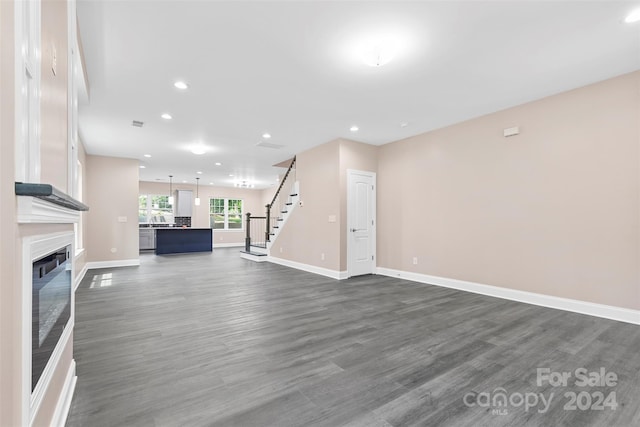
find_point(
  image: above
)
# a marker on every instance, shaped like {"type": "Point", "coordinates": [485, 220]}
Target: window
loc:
{"type": "Point", "coordinates": [143, 211]}
{"type": "Point", "coordinates": [216, 212]}
{"type": "Point", "coordinates": [225, 214]}
{"type": "Point", "coordinates": [154, 210]}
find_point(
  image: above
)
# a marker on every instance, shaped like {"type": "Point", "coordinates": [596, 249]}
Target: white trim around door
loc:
{"type": "Point", "coordinates": [361, 222]}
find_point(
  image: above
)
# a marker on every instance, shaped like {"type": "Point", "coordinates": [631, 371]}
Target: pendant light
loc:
{"type": "Point", "coordinates": [197, 192]}
{"type": "Point", "coordinates": [171, 190]}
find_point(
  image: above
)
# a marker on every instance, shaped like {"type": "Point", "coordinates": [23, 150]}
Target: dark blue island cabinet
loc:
{"type": "Point", "coordinates": [179, 240]}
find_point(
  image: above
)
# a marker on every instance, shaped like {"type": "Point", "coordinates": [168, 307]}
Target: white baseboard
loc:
{"type": "Point", "coordinates": [592, 309]}
{"type": "Point", "coordinates": [227, 245]}
{"type": "Point", "coordinates": [334, 274]}
{"type": "Point", "coordinates": [80, 277]}
{"type": "Point", "coordinates": [115, 263]}
{"type": "Point", "coordinates": [64, 401]}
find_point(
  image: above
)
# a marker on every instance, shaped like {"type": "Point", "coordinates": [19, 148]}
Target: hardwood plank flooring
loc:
{"type": "Point", "coordinates": [215, 340]}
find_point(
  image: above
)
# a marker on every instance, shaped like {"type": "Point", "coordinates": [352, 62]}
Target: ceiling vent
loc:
{"type": "Point", "coordinates": [269, 145]}
{"type": "Point", "coordinates": [137, 123]}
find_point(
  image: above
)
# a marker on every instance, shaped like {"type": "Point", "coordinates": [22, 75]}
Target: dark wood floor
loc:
{"type": "Point", "coordinates": [215, 340]}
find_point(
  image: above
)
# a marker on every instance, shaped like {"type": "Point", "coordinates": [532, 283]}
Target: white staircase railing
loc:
{"type": "Point", "coordinates": [262, 231]}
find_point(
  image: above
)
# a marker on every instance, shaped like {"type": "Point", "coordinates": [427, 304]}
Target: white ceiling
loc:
{"type": "Point", "coordinates": [289, 68]}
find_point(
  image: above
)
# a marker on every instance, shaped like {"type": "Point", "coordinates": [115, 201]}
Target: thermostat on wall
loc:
{"type": "Point", "coordinates": [511, 131]}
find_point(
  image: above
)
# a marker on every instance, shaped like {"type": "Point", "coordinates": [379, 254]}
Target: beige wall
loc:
{"type": "Point", "coordinates": [266, 195]}
{"type": "Point", "coordinates": [554, 210]}
{"type": "Point", "coordinates": [200, 218]}
{"type": "Point", "coordinates": [112, 192]}
{"type": "Point", "coordinates": [308, 233]}
{"type": "Point", "coordinates": [10, 296]}
{"type": "Point", "coordinates": [53, 147]}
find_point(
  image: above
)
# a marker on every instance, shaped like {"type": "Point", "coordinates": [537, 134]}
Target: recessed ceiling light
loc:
{"type": "Point", "coordinates": [184, 182]}
{"type": "Point", "coordinates": [230, 174]}
{"type": "Point", "coordinates": [147, 155]}
{"type": "Point", "coordinates": [218, 164]}
{"type": "Point", "coordinates": [199, 172]}
{"type": "Point", "coordinates": [354, 128]}
{"type": "Point", "coordinates": [143, 167]}
{"type": "Point", "coordinates": [198, 149]}
{"type": "Point", "coordinates": [211, 183]}
{"type": "Point", "coordinates": [634, 16]}
{"type": "Point", "coordinates": [404, 124]}
{"type": "Point", "coordinates": [378, 53]}
{"type": "Point", "coordinates": [166, 116]}
{"type": "Point", "coordinates": [266, 135]}
{"type": "Point", "coordinates": [181, 85]}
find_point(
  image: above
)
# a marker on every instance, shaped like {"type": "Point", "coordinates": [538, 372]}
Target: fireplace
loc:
{"type": "Point", "coordinates": [51, 284]}
{"type": "Point", "coordinates": [48, 298]}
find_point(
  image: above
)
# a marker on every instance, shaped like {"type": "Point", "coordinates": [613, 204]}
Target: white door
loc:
{"type": "Point", "coordinates": [361, 226]}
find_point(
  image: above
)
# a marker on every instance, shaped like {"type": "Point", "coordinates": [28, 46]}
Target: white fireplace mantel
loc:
{"type": "Point", "coordinates": [35, 210]}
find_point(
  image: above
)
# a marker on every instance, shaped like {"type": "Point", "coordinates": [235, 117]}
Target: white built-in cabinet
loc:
{"type": "Point", "coordinates": [184, 203]}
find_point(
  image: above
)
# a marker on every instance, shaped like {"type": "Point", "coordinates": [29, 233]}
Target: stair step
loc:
{"type": "Point", "coordinates": [272, 234]}
{"type": "Point", "coordinates": [280, 219]}
{"type": "Point", "coordinates": [289, 204]}
{"type": "Point", "coordinates": [275, 226]}
{"type": "Point", "coordinates": [293, 195]}
{"type": "Point", "coordinates": [254, 253]}
{"type": "Point", "coordinates": [284, 211]}
{"type": "Point", "coordinates": [254, 256]}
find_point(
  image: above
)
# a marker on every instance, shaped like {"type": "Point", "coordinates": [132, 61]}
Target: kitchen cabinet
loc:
{"type": "Point", "coordinates": [184, 202]}
{"type": "Point", "coordinates": [147, 239]}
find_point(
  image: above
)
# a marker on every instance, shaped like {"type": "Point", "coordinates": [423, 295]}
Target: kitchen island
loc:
{"type": "Point", "coordinates": [180, 240]}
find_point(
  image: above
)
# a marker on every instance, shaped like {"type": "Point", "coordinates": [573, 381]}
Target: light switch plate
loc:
{"type": "Point", "coordinates": [122, 219]}
{"type": "Point", "coordinates": [332, 218]}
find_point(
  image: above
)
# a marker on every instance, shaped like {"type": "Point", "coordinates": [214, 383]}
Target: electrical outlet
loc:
{"type": "Point", "coordinates": [322, 256]}
{"type": "Point", "coordinates": [280, 249]}
{"type": "Point", "coordinates": [415, 260]}
{"type": "Point", "coordinates": [114, 250]}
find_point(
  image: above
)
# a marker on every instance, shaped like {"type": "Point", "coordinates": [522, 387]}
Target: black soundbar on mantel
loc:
{"type": "Point", "coordinates": [49, 193]}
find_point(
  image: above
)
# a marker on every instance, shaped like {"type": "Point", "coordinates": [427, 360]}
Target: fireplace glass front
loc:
{"type": "Point", "coordinates": [51, 307]}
